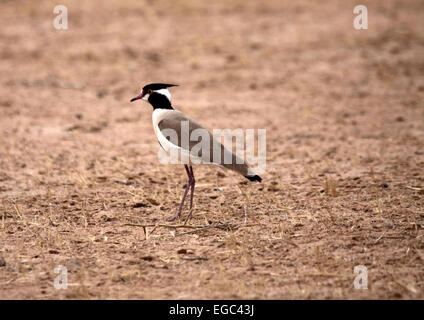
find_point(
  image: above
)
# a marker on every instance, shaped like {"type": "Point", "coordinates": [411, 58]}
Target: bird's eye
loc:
{"type": "Point", "coordinates": [150, 91]}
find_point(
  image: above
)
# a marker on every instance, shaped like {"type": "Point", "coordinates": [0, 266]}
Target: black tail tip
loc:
{"type": "Point", "coordinates": [254, 178]}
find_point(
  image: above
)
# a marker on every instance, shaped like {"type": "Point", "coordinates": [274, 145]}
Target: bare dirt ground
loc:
{"type": "Point", "coordinates": [344, 114]}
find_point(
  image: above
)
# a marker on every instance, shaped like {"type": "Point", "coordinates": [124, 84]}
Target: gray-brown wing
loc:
{"type": "Point", "coordinates": [191, 135]}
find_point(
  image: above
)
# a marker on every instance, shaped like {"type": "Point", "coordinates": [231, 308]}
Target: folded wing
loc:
{"type": "Point", "coordinates": [176, 130]}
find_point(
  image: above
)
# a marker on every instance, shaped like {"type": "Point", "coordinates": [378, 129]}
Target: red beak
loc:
{"type": "Point", "coordinates": [140, 96]}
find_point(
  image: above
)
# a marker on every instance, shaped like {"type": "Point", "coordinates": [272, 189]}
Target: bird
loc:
{"type": "Point", "coordinates": [166, 118]}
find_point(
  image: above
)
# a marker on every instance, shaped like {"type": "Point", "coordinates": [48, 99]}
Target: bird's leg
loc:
{"type": "Point", "coordinates": [192, 183]}
{"type": "Point", "coordinates": [184, 196]}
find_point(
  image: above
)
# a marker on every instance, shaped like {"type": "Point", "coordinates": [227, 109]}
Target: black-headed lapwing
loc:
{"type": "Point", "coordinates": [166, 118]}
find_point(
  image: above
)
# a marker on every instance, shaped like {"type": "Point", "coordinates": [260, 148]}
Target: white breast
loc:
{"type": "Point", "coordinates": [184, 155]}
{"type": "Point", "coordinates": [179, 153]}
{"type": "Point", "coordinates": [157, 116]}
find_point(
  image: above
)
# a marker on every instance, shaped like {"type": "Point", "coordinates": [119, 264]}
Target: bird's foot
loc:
{"type": "Point", "coordinates": [188, 216]}
{"type": "Point", "coordinates": [174, 218]}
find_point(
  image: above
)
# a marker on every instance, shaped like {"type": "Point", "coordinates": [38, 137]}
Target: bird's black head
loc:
{"type": "Point", "coordinates": [157, 94]}
{"type": "Point", "coordinates": [158, 86]}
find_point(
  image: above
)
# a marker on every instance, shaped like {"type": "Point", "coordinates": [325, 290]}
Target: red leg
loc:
{"type": "Point", "coordinates": [184, 196]}
{"type": "Point", "coordinates": [193, 182]}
